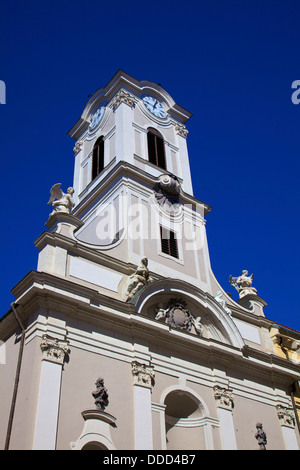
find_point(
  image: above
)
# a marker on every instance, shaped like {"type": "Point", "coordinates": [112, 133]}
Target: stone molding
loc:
{"type": "Point", "coordinates": [54, 350]}
{"type": "Point", "coordinates": [143, 375]}
{"type": "Point", "coordinates": [223, 397]}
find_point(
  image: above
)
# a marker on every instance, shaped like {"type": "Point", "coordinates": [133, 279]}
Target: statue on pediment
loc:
{"type": "Point", "coordinates": [243, 284]}
{"type": "Point", "coordinates": [60, 201]}
{"type": "Point", "coordinates": [138, 279]}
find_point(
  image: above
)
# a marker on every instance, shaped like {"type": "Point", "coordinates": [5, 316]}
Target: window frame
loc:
{"type": "Point", "coordinates": [98, 157]}
{"type": "Point", "coordinates": [169, 246]}
{"type": "Point", "coordinates": [156, 148]}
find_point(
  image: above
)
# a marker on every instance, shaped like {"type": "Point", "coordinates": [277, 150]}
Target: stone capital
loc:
{"type": "Point", "coordinates": [181, 130]}
{"type": "Point", "coordinates": [143, 375]}
{"type": "Point", "coordinates": [123, 97]}
{"type": "Point", "coordinates": [286, 416]}
{"type": "Point", "coordinates": [54, 350]}
{"type": "Point", "coordinates": [223, 397]}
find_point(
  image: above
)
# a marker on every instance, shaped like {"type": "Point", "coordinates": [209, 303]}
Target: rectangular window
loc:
{"type": "Point", "coordinates": [168, 242]}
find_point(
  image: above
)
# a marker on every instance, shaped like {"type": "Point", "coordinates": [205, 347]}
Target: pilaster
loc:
{"type": "Point", "coordinates": [54, 353]}
{"type": "Point", "coordinates": [224, 401]}
{"type": "Point", "coordinates": [287, 421]}
{"type": "Point", "coordinates": [143, 376]}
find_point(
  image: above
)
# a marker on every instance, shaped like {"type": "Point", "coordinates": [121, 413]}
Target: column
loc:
{"type": "Point", "coordinates": [54, 352]}
{"type": "Point", "coordinates": [287, 421]}
{"type": "Point", "coordinates": [224, 399]}
{"type": "Point", "coordinates": [143, 376]}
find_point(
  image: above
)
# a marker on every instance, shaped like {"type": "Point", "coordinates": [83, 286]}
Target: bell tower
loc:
{"type": "Point", "coordinates": [132, 180]}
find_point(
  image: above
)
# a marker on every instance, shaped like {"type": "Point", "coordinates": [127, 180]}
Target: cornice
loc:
{"type": "Point", "coordinates": [126, 170]}
{"type": "Point", "coordinates": [42, 289]}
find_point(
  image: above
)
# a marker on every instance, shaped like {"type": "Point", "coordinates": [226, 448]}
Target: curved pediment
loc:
{"type": "Point", "coordinates": [183, 306]}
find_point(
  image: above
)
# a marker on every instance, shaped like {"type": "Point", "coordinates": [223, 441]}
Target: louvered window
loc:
{"type": "Point", "coordinates": [168, 242]}
{"type": "Point", "coordinates": [156, 148]}
{"type": "Point", "coordinates": [98, 157]}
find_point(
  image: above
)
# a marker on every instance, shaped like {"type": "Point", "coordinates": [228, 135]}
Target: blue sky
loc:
{"type": "Point", "coordinates": [231, 63]}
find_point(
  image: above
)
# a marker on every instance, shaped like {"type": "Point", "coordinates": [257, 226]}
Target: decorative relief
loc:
{"type": "Point", "coordinates": [78, 146]}
{"type": "Point", "coordinates": [286, 416]}
{"type": "Point", "coordinates": [181, 130]}
{"type": "Point", "coordinates": [222, 302]}
{"type": "Point", "coordinates": [167, 192]}
{"type": "Point", "coordinates": [143, 375]}
{"type": "Point", "coordinates": [123, 97]}
{"type": "Point", "coordinates": [261, 437]}
{"type": "Point", "coordinates": [138, 279]}
{"type": "Point", "coordinates": [223, 397]}
{"type": "Point", "coordinates": [100, 394]}
{"type": "Point", "coordinates": [178, 316]}
{"type": "Point", "coordinates": [243, 284]}
{"type": "Point", "coordinates": [54, 350]}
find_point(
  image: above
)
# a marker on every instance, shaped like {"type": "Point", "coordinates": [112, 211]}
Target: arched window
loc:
{"type": "Point", "coordinates": [98, 157]}
{"type": "Point", "coordinates": [156, 148]}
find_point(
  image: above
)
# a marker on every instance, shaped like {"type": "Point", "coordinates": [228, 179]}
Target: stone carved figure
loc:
{"type": "Point", "coordinates": [261, 437]}
{"type": "Point", "coordinates": [138, 279]}
{"type": "Point", "coordinates": [243, 284]}
{"type": "Point", "coordinates": [60, 201]}
{"type": "Point", "coordinates": [100, 395]}
{"type": "Point", "coordinates": [167, 191]}
{"type": "Point", "coordinates": [222, 302]}
{"type": "Point", "coordinates": [177, 316]}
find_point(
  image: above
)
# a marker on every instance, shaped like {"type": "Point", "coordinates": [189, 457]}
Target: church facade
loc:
{"type": "Point", "coordinates": [122, 338]}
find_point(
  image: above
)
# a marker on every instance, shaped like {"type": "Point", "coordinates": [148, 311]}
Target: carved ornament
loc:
{"type": "Point", "coordinates": [78, 146]}
{"type": "Point", "coordinates": [178, 316]}
{"type": "Point", "coordinates": [167, 192]}
{"type": "Point", "coordinates": [54, 350]}
{"type": "Point", "coordinates": [286, 416]}
{"type": "Point", "coordinates": [181, 130]}
{"type": "Point", "coordinates": [123, 97]}
{"type": "Point", "coordinates": [143, 375]}
{"type": "Point", "coordinates": [223, 397]}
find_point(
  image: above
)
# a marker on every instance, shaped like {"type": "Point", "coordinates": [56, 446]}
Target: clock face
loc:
{"type": "Point", "coordinates": [154, 106]}
{"type": "Point", "coordinates": [97, 117]}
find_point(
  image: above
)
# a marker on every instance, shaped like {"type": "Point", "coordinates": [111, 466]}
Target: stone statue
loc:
{"type": "Point", "coordinates": [100, 395]}
{"type": "Point", "coordinates": [261, 437]}
{"type": "Point", "coordinates": [222, 302]}
{"type": "Point", "coordinates": [243, 284]}
{"type": "Point", "coordinates": [138, 279]}
{"type": "Point", "coordinates": [60, 201]}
